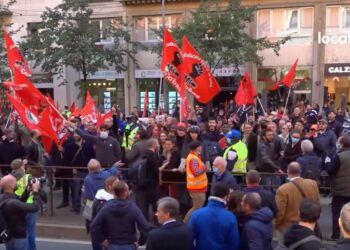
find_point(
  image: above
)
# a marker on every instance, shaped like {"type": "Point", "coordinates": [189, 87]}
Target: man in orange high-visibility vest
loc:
{"type": "Point", "coordinates": [196, 178]}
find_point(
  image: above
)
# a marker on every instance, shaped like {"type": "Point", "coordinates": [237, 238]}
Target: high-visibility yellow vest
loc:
{"type": "Point", "coordinates": [195, 182]}
{"type": "Point", "coordinates": [129, 140]}
{"type": "Point", "coordinates": [22, 185]}
{"type": "Point", "coordinates": [242, 154]}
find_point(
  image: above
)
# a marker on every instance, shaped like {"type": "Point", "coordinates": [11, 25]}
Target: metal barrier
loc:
{"type": "Point", "coordinates": [167, 176]}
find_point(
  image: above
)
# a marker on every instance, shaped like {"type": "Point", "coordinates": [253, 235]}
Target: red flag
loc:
{"type": "Point", "coordinates": [171, 63]}
{"type": "Point", "coordinates": [185, 108]}
{"type": "Point", "coordinates": [197, 76]}
{"type": "Point", "coordinates": [28, 92]}
{"type": "Point", "coordinates": [89, 112]}
{"type": "Point", "coordinates": [72, 108]}
{"type": "Point", "coordinates": [104, 117]}
{"type": "Point", "coordinates": [57, 123]}
{"type": "Point", "coordinates": [46, 124]}
{"type": "Point", "coordinates": [49, 99]}
{"type": "Point", "coordinates": [77, 112]}
{"type": "Point", "coordinates": [246, 91]}
{"type": "Point", "coordinates": [145, 104]}
{"type": "Point", "coordinates": [29, 119]}
{"type": "Point", "coordinates": [15, 58]}
{"type": "Point", "coordinates": [288, 79]}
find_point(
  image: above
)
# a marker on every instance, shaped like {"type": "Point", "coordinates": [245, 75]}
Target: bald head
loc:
{"type": "Point", "coordinates": [8, 183]}
{"type": "Point", "coordinates": [344, 220]}
{"type": "Point", "coordinates": [294, 169]}
{"type": "Point", "coordinates": [251, 202]}
{"type": "Point", "coordinates": [220, 163]}
{"type": "Point", "coordinates": [94, 165]}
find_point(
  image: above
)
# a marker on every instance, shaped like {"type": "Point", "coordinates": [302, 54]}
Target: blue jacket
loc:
{"type": "Point", "coordinates": [257, 231]}
{"type": "Point", "coordinates": [325, 144]}
{"type": "Point", "coordinates": [267, 197]}
{"type": "Point", "coordinates": [117, 222]}
{"type": "Point", "coordinates": [96, 180]}
{"type": "Point", "coordinates": [215, 228]}
{"type": "Point", "coordinates": [306, 159]}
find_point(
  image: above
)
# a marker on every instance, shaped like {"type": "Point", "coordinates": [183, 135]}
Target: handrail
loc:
{"type": "Point", "coordinates": [167, 176]}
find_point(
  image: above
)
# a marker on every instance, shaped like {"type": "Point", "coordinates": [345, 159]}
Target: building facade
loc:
{"type": "Point", "coordinates": [320, 40]}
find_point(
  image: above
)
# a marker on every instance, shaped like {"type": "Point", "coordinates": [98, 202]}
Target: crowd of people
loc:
{"type": "Point", "coordinates": [247, 178]}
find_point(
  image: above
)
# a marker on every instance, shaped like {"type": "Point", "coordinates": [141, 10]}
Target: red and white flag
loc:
{"type": "Point", "coordinates": [145, 104]}
{"type": "Point", "coordinates": [196, 75]}
{"type": "Point", "coordinates": [89, 112]}
{"type": "Point", "coordinates": [15, 58]}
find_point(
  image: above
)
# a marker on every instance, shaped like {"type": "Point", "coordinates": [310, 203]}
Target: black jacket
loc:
{"type": "Point", "coordinates": [296, 233]}
{"type": "Point", "coordinates": [291, 154]}
{"type": "Point", "coordinates": [268, 157]}
{"type": "Point", "coordinates": [325, 144]}
{"type": "Point", "coordinates": [343, 244]}
{"type": "Point", "coordinates": [75, 158]}
{"type": "Point", "coordinates": [336, 127]}
{"type": "Point", "coordinates": [32, 153]}
{"type": "Point", "coordinates": [226, 178]}
{"type": "Point", "coordinates": [15, 211]}
{"type": "Point", "coordinates": [172, 236]}
{"type": "Point", "coordinates": [267, 197]}
{"type": "Point", "coordinates": [152, 173]}
{"type": "Point", "coordinates": [10, 151]}
{"type": "Point", "coordinates": [252, 145]}
{"type": "Point", "coordinates": [117, 222]}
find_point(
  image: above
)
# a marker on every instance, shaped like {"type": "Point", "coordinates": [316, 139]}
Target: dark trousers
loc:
{"type": "Point", "coordinates": [66, 186]}
{"type": "Point", "coordinates": [146, 198]}
{"type": "Point", "coordinates": [337, 204]}
{"type": "Point", "coordinates": [77, 185]}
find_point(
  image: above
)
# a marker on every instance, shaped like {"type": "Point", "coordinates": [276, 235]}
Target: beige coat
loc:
{"type": "Point", "coordinates": [288, 199]}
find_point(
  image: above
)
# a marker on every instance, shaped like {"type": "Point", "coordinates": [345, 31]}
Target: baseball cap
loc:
{"type": "Point", "coordinates": [233, 134]}
{"type": "Point", "coordinates": [16, 164]}
{"type": "Point", "coordinates": [323, 120]}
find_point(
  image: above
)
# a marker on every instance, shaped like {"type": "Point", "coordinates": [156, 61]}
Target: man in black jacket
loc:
{"type": "Point", "coordinates": [10, 150]}
{"type": "Point", "coordinates": [115, 224]}
{"type": "Point", "coordinates": [253, 185]}
{"type": "Point", "coordinates": [251, 140]}
{"type": "Point", "coordinates": [334, 125]}
{"type": "Point", "coordinates": [173, 235]}
{"type": "Point", "coordinates": [15, 211]}
{"type": "Point", "coordinates": [302, 236]}
{"type": "Point", "coordinates": [35, 151]}
{"type": "Point", "coordinates": [148, 193]}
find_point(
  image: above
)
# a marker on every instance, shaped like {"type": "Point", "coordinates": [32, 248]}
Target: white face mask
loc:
{"type": "Point", "coordinates": [103, 134]}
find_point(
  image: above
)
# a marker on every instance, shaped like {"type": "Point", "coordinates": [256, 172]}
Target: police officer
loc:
{"type": "Point", "coordinates": [130, 130]}
{"type": "Point", "coordinates": [236, 153]}
{"type": "Point", "coordinates": [23, 183]}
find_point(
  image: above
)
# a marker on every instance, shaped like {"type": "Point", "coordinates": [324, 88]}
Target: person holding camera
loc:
{"type": "Point", "coordinates": [24, 184]}
{"type": "Point", "coordinates": [15, 210]}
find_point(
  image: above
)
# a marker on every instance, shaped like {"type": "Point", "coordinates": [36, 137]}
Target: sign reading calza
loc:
{"type": "Point", "coordinates": [341, 69]}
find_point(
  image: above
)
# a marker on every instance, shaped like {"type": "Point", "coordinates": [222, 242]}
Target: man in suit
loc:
{"type": "Point", "coordinates": [290, 195]}
{"type": "Point", "coordinates": [173, 235]}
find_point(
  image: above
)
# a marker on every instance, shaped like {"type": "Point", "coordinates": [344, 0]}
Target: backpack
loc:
{"type": "Point", "coordinates": [138, 172]}
{"type": "Point", "coordinates": [5, 234]}
{"type": "Point", "coordinates": [311, 171]}
{"type": "Point", "coordinates": [298, 243]}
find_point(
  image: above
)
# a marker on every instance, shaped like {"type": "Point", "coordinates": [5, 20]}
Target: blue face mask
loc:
{"type": "Point", "coordinates": [216, 170]}
{"type": "Point", "coordinates": [228, 140]}
{"type": "Point", "coordinates": [295, 140]}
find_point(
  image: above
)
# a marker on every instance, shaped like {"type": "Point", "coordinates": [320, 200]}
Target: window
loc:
{"type": "Point", "coordinates": [145, 27]}
{"type": "Point", "coordinates": [346, 19]}
{"type": "Point", "coordinates": [282, 22]}
{"type": "Point", "coordinates": [33, 28]}
{"type": "Point", "coordinates": [264, 23]}
{"type": "Point", "coordinates": [103, 24]}
{"type": "Point", "coordinates": [337, 19]}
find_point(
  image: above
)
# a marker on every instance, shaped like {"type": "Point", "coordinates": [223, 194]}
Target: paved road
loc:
{"type": "Point", "coordinates": [53, 244]}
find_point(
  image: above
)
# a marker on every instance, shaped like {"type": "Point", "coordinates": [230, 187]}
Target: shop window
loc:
{"type": "Point", "coordinates": [152, 86]}
{"type": "Point", "coordinates": [145, 27]}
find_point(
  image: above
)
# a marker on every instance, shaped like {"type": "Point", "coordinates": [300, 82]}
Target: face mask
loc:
{"type": "Point", "coordinates": [104, 134]}
{"type": "Point", "coordinates": [216, 171]}
{"type": "Point", "coordinates": [295, 140]}
{"type": "Point", "coordinates": [228, 140]}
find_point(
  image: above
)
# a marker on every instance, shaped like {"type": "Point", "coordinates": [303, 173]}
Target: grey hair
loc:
{"type": "Point", "coordinates": [307, 146]}
{"type": "Point", "coordinates": [169, 205]}
{"type": "Point", "coordinates": [345, 217]}
{"type": "Point", "coordinates": [152, 142]}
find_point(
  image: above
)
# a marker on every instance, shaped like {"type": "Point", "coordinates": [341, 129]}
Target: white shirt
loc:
{"type": "Point", "coordinates": [167, 222]}
{"type": "Point", "coordinates": [292, 179]}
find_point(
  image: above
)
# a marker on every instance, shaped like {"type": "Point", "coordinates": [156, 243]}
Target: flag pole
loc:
{"type": "Point", "coordinates": [8, 119]}
{"type": "Point", "coordinates": [262, 107]}
{"type": "Point", "coordinates": [285, 107]}
{"type": "Point", "coordinates": [54, 108]}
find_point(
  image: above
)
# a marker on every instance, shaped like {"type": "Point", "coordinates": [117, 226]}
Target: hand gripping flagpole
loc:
{"type": "Point", "coordinates": [262, 107]}
{"type": "Point", "coordinates": [54, 108]}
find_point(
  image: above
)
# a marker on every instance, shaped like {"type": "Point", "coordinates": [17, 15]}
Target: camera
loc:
{"type": "Point", "coordinates": [32, 180]}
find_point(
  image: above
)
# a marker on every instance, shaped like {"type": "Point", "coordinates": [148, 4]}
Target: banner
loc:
{"type": "Point", "coordinates": [246, 91]}
{"type": "Point", "coordinates": [288, 79]}
{"type": "Point", "coordinates": [197, 76]}
{"type": "Point", "coordinates": [89, 113]}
